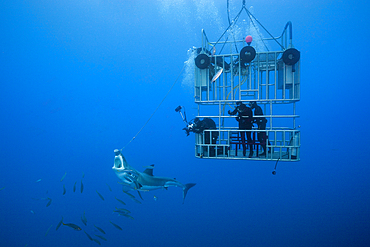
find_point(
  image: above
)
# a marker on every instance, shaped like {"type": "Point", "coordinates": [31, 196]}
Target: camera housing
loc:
{"type": "Point", "coordinates": [178, 108]}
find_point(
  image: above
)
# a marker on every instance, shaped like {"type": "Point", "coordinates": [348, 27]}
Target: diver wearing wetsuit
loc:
{"type": "Point", "coordinates": [210, 137]}
{"type": "Point", "coordinates": [245, 119]}
{"type": "Point", "coordinates": [261, 123]}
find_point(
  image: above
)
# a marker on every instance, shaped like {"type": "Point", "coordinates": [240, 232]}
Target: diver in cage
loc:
{"type": "Point", "coordinates": [261, 123]}
{"type": "Point", "coordinates": [200, 127]}
{"type": "Point", "coordinates": [245, 119]}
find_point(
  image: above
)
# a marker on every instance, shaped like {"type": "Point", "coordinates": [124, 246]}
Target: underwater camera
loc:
{"type": "Point", "coordinates": [189, 128]}
{"type": "Point", "coordinates": [178, 108]}
{"type": "Point", "coordinates": [189, 125]}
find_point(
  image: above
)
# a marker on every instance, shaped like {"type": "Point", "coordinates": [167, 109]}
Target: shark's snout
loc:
{"type": "Point", "coordinates": [117, 166]}
{"type": "Point", "coordinates": [143, 181]}
{"type": "Point", "coordinates": [118, 162]}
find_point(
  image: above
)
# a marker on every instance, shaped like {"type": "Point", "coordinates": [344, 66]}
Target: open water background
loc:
{"type": "Point", "coordinates": [80, 78]}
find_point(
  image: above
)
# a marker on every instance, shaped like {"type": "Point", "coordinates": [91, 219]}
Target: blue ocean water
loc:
{"type": "Point", "coordinates": [79, 79]}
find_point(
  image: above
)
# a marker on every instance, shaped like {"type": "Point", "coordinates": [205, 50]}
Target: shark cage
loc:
{"type": "Point", "coordinates": [242, 73]}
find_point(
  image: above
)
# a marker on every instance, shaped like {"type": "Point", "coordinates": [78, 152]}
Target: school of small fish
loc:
{"type": "Point", "coordinates": [92, 237]}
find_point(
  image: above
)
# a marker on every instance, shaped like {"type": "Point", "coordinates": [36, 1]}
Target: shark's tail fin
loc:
{"type": "Point", "coordinates": [187, 187]}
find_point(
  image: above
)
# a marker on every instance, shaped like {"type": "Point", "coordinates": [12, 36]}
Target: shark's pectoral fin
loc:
{"type": "Point", "coordinates": [187, 187]}
{"type": "Point", "coordinates": [140, 195]}
{"type": "Point", "coordinates": [137, 185]}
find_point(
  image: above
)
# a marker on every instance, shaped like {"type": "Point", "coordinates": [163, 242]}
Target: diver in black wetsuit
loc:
{"type": "Point", "coordinates": [210, 137]}
{"type": "Point", "coordinates": [200, 127]}
{"type": "Point", "coordinates": [261, 123]}
{"type": "Point", "coordinates": [245, 119]}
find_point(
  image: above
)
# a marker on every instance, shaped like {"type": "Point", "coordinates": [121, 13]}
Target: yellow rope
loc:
{"type": "Point", "coordinates": [223, 109]}
{"type": "Point", "coordinates": [242, 82]}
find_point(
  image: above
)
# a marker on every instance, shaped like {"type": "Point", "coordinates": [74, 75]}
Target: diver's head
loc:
{"type": "Point", "coordinates": [252, 104]}
{"type": "Point", "coordinates": [238, 103]}
{"type": "Point", "coordinates": [117, 152]}
{"type": "Point", "coordinates": [191, 125]}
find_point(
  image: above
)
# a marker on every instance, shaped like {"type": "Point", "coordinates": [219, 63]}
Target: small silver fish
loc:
{"type": "Point", "coordinates": [101, 230]}
{"type": "Point", "coordinates": [101, 197]}
{"type": "Point", "coordinates": [61, 180]}
{"type": "Point", "coordinates": [137, 201]}
{"type": "Point", "coordinates": [129, 194]}
{"type": "Point", "coordinates": [83, 219]}
{"type": "Point", "coordinates": [82, 186]}
{"type": "Point", "coordinates": [59, 224]}
{"type": "Point", "coordinates": [96, 241]}
{"type": "Point", "coordinates": [74, 187]}
{"type": "Point", "coordinates": [123, 210]}
{"type": "Point", "coordinates": [88, 236]}
{"type": "Point", "coordinates": [126, 215]}
{"type": "Point", "coordinates": [48, 230]}
{"type": "Point", "coordinates": [48, 204]}
{"type": "Point", "coordinates": [110, 189]}
{"type": "Point", "coordinates": [116, 226]}
{"type": "Point", "coordinates": [101, 237]}
{"type": "Point", "coordinates": [73, 226]}
{"type": "Point", "coordinates": [121, 201]}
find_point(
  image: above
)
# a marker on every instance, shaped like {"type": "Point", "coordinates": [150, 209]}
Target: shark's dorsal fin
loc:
{"type": "Point", "coordinates": [149, 170]}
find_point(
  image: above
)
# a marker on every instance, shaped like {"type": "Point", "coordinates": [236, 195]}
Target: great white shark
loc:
{"type": "Point", "coordinates": [144, 181]}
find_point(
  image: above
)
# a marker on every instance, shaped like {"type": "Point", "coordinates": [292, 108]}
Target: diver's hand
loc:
{"type": "Point", "coordinates": [229, 112]}
{"type": "Point", "coordinates": [187, 131]}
